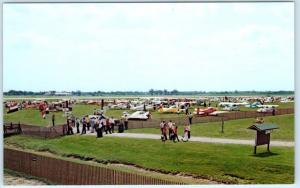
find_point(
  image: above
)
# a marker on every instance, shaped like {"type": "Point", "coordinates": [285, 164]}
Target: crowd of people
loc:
{"type": "Point", "coordinates": [172, 130]}
{"type": "Point", "coordinates": [94, 123]}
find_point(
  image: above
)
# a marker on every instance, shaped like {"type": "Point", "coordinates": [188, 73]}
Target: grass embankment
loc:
{"type": "Point", "coordinates": [228, 163]}
{"type": "Point", "coordinates": [235, 128]}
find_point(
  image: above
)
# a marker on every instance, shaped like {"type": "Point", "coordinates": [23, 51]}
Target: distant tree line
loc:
{"type": "Point", "coordinates": [151, 92]}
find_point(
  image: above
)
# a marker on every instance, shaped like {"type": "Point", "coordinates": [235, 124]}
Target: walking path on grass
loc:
{"type": "Point", "coordinates": [196, 139]}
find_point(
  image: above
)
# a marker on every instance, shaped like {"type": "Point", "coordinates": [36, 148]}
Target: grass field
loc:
{"type": "Point", "coordinates": [235, 128]}
{"type": "Point", "coordinates": [231, 163]}
{"type": "Point", "coordinates": [33, 116]}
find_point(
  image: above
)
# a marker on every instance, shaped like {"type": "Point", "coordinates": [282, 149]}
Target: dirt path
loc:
{"type": "Point", "coordinates": [10, 179]}
{"type": "Point", "coordinates": [197, 139]}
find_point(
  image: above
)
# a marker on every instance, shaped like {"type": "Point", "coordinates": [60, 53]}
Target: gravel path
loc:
{"type": "Point", "coordinates": [16, 180]}
{"type": "Point", "coordinates": [197, 139]}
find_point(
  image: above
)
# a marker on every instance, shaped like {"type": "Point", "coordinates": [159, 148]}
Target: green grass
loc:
{"type": "Point", "coordinates": [235, 128]}
{"type": "Point", "coordinates": [231, 163]}
{"type": "Point", "coordinates": [33, 116]}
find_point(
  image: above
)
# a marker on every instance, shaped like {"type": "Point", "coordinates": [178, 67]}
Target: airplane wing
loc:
{"type": "Point", "coordinates": [217, 112]}
{"type": "Point", "coordinates": [200, 113]}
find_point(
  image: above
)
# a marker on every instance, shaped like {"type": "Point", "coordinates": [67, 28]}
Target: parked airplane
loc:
{"type": "Point", "coordinates": [142, 115]}
{"type": "Point", "coordinates": [223, 104]}
{"type": "Point", "coordinates": [231, 107]}
{"type": "Point", "coordinates": [205, 111]}
{"type": "Point", "coordinates": [253, 105]}
{"type": "Point", "coordinates": [266, 109]}
{"type": "Point", "coordinates": [268, 106]}
{"type": "Point", "coordinates": [142, 107]}
{"type": "Point", "coordinates": [171, 109]}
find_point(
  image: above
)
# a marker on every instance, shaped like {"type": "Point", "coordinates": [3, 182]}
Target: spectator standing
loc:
{"type": "Point", "coordinates": [273, 111]}
{"type": "Point", "coordinates": [190, 116]}
{"type": "Point", "coordinates": [73, 121]}
{"type": "Point", "coordinates": [126, 122]}
{"type": "Point", "coordinates": [164, 133]}
{"type": "Point", "coordinates": [170, 124]}
{"type": "Point", "coordinates": [112, 124]}
{"type": "Point", "coordinates": [107, 127]}
{"type": "Point", "coordinates": [175, 134]}
{"type": "Point", "coordinates": [189, 131]}
{"type": "Point", "coordinates": [83, 126]}
{"type": "Point", "coordinates": [99, 130]}
{"type": "Point", "coordinates": [185, 134]}
{"type": "Point", "coordinates": [53, 120]}
{"type": "Point", "coordinates": [77, 125]}
{"type": "Point", "coordinates": [162, 125]}
{"type": "Point", "coordinates": [92, 122]}
{"type": "Point", "coordinates": [88, 124]}
{"type": "Point", "coordinates": [70, 129]}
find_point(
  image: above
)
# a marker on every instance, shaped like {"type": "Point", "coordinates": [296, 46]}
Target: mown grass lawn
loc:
{"type": "Point", "coordinates": [33, 116]}
{"type": "Point", "coordinates": [235, 128]}
{"type": "Point", "coordinates": [231, 163]}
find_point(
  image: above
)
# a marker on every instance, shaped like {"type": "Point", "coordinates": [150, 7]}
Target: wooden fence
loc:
{"type": "Point", "coordinates": [152, 123]}
{"type": "Point", "coordinates": [45, 132]}
{"type": "Point", "coordinates": [64, 172]}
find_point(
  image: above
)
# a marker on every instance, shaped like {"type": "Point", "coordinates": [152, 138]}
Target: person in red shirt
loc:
{"type": "Point", "coordinates": [107, 128]}
{"type": "Point", "coordinates": [175, 136]}
{"type": "Point", "coordinates": [164, 133]}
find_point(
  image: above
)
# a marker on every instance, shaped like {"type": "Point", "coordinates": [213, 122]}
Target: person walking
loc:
{"type": "Point", "coordinates": [99, 130]}
{"type": "Point", "coordinates": [175, 134]}
{"type": "Point", "coordinates": [189, 131]}
{"type": "Point", "coordinates": [190, 116]}
{"type": "Point", "coordinates": [162, 125]}
{"type": "Point", "coordinates": [107, 127]}
{"type": "Point", "coordinates": [126, 122]}
{"type": "Point", "coordinates": [273, 111]}
{"type": "Point", "coordinates": [53, 120]}
{"type": "Point", "coordinates": [112, 124]}
{"type": "Point", "coordinates": [186, 110]}
{"type": "Point", "coordinates": [164, 133]}
{"type": "Point", "coordinates": [77, 125]}
{"type": "Point", "coordinates": [73, 121]}
{"type": "Point", "coordinates": [92, 122]}
{"type": "Point", "coordinates": [70, 129]}
{"type": "Point", "coordinates": [83, 131]}
{"type": "Point", "coordinates": [185, 134]}
{"type": "Point", "coordinates": [88, 124]}
{"type": "Point", "coordinates": [170, 124]}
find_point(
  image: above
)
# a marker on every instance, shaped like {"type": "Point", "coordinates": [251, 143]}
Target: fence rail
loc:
{"type": "Point", "coordinates": [65, 172]}
{"type": "Point", "coordinates": [152, 123]}
{"type": "Point", "coordinates": [45, 132]}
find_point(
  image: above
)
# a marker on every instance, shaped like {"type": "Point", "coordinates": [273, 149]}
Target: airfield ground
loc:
{"type": "Point", "coordinates": [33, 116]}
{"type": "Point", "coordinates": [221, 163]}
{"type": "Point", "coordinates": [236, 129]}
{"type": "Point", "coordinates": [214, 163]}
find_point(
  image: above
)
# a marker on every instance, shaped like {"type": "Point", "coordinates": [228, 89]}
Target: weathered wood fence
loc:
{"type": "Point", "coordinates": [64, 172]}
{"type": "Point", "coordinates": [45, 132]}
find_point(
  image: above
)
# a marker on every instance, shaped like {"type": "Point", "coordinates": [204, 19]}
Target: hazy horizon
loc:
{"type": "Point", "coordinates": [135, 47]}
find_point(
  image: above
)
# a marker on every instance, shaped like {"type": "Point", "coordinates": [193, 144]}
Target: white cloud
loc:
{"type": "Point", "coordinates": [189, 43]}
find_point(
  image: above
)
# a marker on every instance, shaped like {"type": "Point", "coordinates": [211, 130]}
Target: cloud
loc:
{"type": "Point", "coordinates": [175, 45]}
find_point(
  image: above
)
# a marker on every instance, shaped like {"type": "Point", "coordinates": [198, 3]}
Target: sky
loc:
{"type": "Point", "coordinates": [136, 47]}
